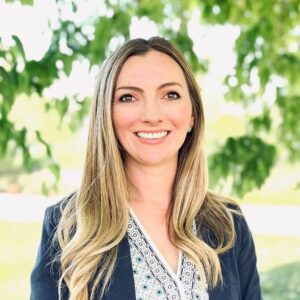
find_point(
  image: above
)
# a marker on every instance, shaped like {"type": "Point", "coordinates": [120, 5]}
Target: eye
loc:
{"type": "Point", "coordinates": [173, 95]}
{"type": "Point", "coordinates": [126, 98]}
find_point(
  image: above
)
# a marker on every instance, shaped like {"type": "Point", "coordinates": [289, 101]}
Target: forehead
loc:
{"type": "Point", "coordinates": [153, 67]}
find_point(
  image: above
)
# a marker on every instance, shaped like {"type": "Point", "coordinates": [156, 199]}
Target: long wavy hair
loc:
{"type": "Point", "coordinates": [94, 220]}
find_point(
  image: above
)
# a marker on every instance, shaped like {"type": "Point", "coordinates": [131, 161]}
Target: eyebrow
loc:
{"type": "Point", "coordinates": [129, 87]}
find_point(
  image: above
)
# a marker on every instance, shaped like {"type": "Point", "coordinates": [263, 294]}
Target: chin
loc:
{"type": "Point", "coordinates": [156, 161]}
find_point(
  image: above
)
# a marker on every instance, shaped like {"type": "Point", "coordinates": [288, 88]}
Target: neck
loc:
{"type": "Point", "coordinates": [151, 187]}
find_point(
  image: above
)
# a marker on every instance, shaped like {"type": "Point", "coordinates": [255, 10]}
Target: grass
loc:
{"type": "Point", "coordinates": [278, 262]}
{"type": "Point", "coordinates": [282, 283]}
{"type": "Point", "coordinates": [274, 251]}
{"type": "Point", "coordinates": [19, 243]}
{"type": "Point", "coordinates": [279, 266]}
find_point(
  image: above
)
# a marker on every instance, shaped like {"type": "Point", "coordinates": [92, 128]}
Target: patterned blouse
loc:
{"type": "Point", "coordinates": [154, 278]}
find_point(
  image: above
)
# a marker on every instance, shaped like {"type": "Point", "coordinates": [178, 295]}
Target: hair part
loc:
{"type": "Point", "coordinates": [95, 220]}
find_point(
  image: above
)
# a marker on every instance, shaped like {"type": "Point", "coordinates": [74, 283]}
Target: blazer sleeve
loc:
{"type": "Point", "coordinates": [246, 262]}
{"type": "Point", "coordinates": [45, 275]}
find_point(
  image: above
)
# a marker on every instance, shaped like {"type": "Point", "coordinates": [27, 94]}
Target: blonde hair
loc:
{"type": "Point", "coordinates": [94, 220]}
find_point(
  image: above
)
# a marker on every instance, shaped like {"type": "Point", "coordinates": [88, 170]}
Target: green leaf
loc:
{"type": "Point", "coordinates": [44, 188]}
{"type": "Point", "coordinates": [19, 46]}
{"type": "Point", "coordinates": [24, 2]}
{"type": "Point", "coordinates": [68, 63]}
{"type": "Point", "coordinates": [262, 122]}
{"type": "Point", "coordinates": [40, 139]}
{"type": "Point", "coordinates": [153, 9]}
{"type": "Point", "coordinates": [55, 169]}
{"type": "Point", "coordinates": [28, 2]}
{"type": "Point", "coordinates": [248, 160]}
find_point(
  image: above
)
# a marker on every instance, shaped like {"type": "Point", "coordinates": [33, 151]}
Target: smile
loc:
{"type": "Point", "coordinates": [152, 135]}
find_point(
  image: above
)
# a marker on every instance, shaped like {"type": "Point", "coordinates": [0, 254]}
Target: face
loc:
{"type": "Point", "coordinates": [151, 109]}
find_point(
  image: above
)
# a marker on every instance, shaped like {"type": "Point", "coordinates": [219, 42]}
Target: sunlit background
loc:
{"type": "Point", "coordinates": [59, 113]}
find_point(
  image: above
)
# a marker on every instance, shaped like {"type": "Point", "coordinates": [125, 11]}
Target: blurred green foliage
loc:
{"type": "Point", "coordinates": [247, 160]}
{"type": "Point", "coordinates": [267, 56]}
{"type": "Point", "coordinates": [281, 282]}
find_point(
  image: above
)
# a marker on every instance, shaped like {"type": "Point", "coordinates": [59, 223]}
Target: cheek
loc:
{"type": "Point", "coordinates": [122, 120]}
{"type": "Point", "coordinates": [181, 116]}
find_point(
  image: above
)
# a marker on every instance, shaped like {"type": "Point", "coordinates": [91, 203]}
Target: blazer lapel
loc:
{"type": "Point", "coordinates": [122, 281]}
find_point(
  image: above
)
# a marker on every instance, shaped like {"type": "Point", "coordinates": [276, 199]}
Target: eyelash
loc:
{"type": "Point", "coordinates": [177, 96]}
{"type": "Point", "coordinates": [121, 99]}
{"type": "Point", "coordinates": [174, 93]}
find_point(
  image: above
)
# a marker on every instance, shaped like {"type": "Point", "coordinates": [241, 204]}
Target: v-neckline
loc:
{"type": "Point", "coordinates": [156, 249]}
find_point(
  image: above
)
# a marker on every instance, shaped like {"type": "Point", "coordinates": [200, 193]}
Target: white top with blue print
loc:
{"type": "Point", "coordinates": [154, 278]}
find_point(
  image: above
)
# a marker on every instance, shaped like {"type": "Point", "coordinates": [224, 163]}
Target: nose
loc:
{"type": "Point", "coordinates": [152, 111]}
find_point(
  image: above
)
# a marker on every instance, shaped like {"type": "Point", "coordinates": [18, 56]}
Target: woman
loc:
{"type": "Point", "coordinates": [143, 225]}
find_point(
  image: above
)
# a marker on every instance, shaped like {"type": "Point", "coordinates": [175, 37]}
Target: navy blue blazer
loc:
{"type": "Point", "coordinates": [240, 276]}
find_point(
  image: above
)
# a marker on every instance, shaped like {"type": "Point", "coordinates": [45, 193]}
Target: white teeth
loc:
{"type": "Point", "coordinates": [155, 135]}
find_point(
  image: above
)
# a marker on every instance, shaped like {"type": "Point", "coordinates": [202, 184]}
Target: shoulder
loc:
{"type": "Point", "coordinates": [244, 248]}
{"type": "Point", "coordinates": [46, 271]}
{"type": "Point", "coordinates": [53, 213]}
{"type": "Point", "coordinates": [218, 221]}
{"type": "Point", "coordinates": [240, 227]}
